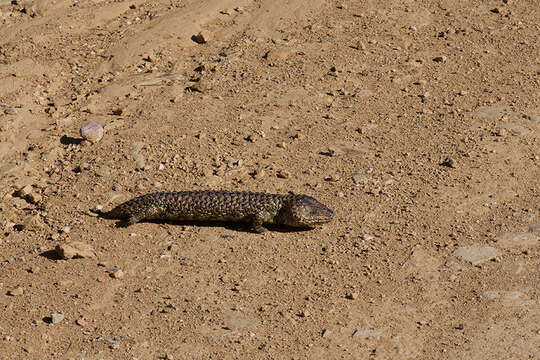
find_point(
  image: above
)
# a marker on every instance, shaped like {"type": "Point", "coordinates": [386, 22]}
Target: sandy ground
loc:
{"type": "Point", "coordinates": [417, 122]}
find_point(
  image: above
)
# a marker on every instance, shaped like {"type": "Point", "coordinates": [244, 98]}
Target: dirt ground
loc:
{"type": "Point", "coordinates": [417, 122]}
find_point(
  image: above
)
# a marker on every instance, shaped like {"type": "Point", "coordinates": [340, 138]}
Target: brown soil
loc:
{"type": "Point", "coordinates": [417, 122]}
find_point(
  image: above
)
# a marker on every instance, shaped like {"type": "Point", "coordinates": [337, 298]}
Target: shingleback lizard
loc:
{"type": "Point", "coordinates": [251, 207]}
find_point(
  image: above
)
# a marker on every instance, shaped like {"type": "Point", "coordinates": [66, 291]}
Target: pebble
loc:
{"type": "Point", "coordinates": [18, 291]}
{"type": "Point", "coordinates": [449, 162]}
{"type": "Point", "coordinates": [359, 179]}
{"type": "Point", "coordinates": [56, 318]}
{"type": "Point", "coordinates": [29, 222]}
{"type": "Point", "coordinates": [201, 86]}
{"type": "Point", "coordinates": [63, 122]}
{"type": "Point", "coordinates": [367, 334]}
{"type": "Point", "coordinates": [10, 111]}
{"type": "Point", "coordinates": [283, 174]}
{"type": "Point", "coordinates": [24, 191]}
{"type": "Point", "coordinates": [476, 254]}
{"type": "Point", "coordinates": [277, 55]}
{"type": "Point", "coordinates": [34, 198]}
{"type": "Point", "coordinates": [117, 274]}
{"type": "Point", "coordinates": [75, 249]}
{"type": "Point", "coordinates": [440, 59]}
{"type": "Point", "coordinates": [367, 237]}
{"type": "Point", "coordinates": [202, 37]}
{"type": "Point", "coordinates": [352, 296]}
{"type": "Point", "coordinates": [518, 239]}
{"type": "Point", "coordinates": [92, 132]}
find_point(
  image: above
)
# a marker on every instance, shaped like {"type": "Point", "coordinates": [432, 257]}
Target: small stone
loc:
{"type": "Point", "coordinates": [277, 55]}
{"type": "Point", "coordinates": [367, 237]}
{"type": "Point", "coordinates": [352, 296]}
{"type": "Point", "coordinates": [65, 283]}
{"type": "Point", "coordinates": [10, 260]}
{"type": "Point", "coordinates": [200, 86]}
{"type": "Point", "coordinates": [81, 322]}
{"type": "Point", "coordinates": [117, 274]}
{"type": "Point", "coordinates": [283, 174]}
{"type": "Point", "coordinates": [10, 111]}
{"type": "Point", "coordinates": [63, 122]}
{"type": "Point", "coordinates": [140, 161]}
{"type": "Point", "coordinates": [75, 249]}
{"type": "Point", "coordinates": [34, 198]}
{"type": "Point", "coordinates": [18, 291]}
{"type": "Point", "coordinates": [476, 254]}
{"type": "Point", "coordinates": [202, 37]}
{"type": "Point", "coordinates": [449, 162]}
{"type": "Point", "coordinates": [440, 59]}
{"type": "Point", "coordinates": [56, 318]}
{"type": "Point", "coordinates": [359, 179]}
{"type": "Point", "coordinates": [367, 334]}
{"type": "Point", "coordinates": [92, 132]}
{"type": "Point", "coordinates": [29, 222]}
{"type": "Point", "coordinates": [111, 341]}
{"type": "Point", "coordinates": [24, 191]}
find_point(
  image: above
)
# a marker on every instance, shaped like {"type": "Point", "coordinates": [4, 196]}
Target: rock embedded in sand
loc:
{"type": "Point", "coordinates": [476, 254]}
{"type": "Point", "coordinates": [24, 191]}
{"type": "Point", "coordinates": [75, 249]}
{"type": "Point", "coordinates": [366, 334]}
{"type": "Point", "coordinates": [56, 318]}
{"type": "Point", "coordinates": [34, 198]}
{"type": "Point", "coordinates": [202, 37]}
{"type": "Point", "coordinates": [117, 274]}
{"type": "Point", "coordinates": [92, 132]}
{"type": "Point", "coordinates": [18, 291]}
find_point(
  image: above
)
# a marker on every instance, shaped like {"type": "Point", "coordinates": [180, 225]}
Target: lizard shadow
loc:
{"type": "Point", "coordinates": [238, 227]}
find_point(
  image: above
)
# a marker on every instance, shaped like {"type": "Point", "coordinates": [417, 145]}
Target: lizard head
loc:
{"type": "Point", "coordinates": [305, 211]}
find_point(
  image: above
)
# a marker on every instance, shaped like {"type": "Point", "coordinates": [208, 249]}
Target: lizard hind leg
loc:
{"type": "Point", "coordinates": [257, 224]}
